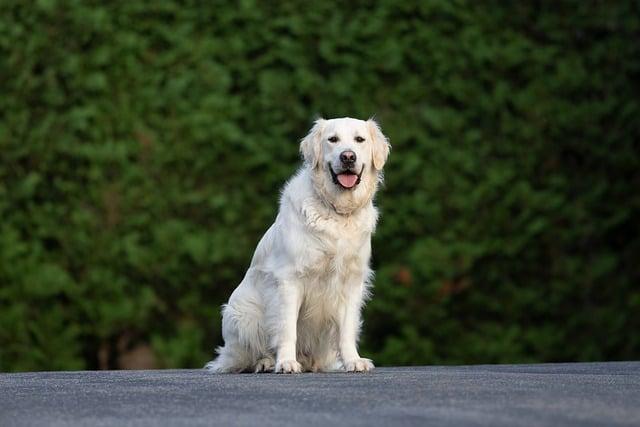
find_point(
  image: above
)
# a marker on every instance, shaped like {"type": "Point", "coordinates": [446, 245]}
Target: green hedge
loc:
{"type": "Point", "coordinates": [143, 144]}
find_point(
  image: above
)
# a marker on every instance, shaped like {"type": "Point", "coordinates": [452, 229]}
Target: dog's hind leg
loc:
{"type": "Point", "coordinates": [243, 337]}
{"type": "Point", "coordinates": [266, 364]}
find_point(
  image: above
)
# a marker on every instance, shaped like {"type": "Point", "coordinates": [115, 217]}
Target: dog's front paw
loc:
{"type": "Point", "coordinates": [288, 367]}
{"type": "Point", "coordinates": [358, 365]}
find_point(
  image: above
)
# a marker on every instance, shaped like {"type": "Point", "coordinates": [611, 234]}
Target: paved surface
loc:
{"type": "Point", "coordinates": [603, 394]}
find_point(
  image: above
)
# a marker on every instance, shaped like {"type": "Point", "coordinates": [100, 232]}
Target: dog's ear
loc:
{"type": "Point", "coordinates": [310, 145]}
{"type": "Point", "coordinates": [381, 145]}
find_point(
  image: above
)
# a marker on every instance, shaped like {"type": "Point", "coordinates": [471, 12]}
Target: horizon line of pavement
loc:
{"type": "Point", "coordinates": [554, 394]}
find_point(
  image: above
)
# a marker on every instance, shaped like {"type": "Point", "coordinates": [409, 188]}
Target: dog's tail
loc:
{"type": "Point", "coordinates": [221, 364]}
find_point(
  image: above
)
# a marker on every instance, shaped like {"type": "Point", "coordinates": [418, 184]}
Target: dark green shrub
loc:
{"type": "Point", "coordinates": [142, 146]}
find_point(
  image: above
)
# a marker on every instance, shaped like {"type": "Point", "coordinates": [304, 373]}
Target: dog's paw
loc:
{"type": "Point", "coordinates": [264, 365]}
{"type": "Point", "coordinates": [288, 367]}
{"type": "Point", "coordinates": [358, 365]}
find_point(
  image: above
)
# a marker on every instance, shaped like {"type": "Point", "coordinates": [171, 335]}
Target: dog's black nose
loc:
{"type": "Point", "coordinates": [348, 157]}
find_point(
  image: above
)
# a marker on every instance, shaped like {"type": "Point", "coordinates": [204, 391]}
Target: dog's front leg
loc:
{"type": "Point", "coordinates": [349, 328]}
{"type": "Point", "coordinates": [289, 299]}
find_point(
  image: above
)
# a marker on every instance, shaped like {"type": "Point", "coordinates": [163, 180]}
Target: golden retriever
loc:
{"type": "Point", "coordinates": [298, 306]}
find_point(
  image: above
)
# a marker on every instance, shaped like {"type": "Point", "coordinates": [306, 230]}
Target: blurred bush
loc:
{"type": "Point", "coordinates": [143, 144]}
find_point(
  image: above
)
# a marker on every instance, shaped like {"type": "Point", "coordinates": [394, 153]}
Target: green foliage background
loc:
{"type": "Point", "coordinates": [143, 144]}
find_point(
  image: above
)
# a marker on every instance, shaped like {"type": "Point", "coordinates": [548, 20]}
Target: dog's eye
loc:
{"type": "Point", "coordinates": [359, 139]}
{"type": "Point", "coordinates": [333, 139]}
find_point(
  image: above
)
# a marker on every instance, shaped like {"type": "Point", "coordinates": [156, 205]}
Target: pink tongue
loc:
{"type": "Point", "coordinates": [347, 180]}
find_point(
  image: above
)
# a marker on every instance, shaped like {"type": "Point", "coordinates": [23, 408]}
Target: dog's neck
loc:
{"type": "Point", "coordinates": [345, 202]}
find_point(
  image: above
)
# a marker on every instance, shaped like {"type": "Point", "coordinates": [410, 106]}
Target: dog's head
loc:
{"type": "Point", "coordinates": [346, 157]}
{"type": "Point", "coordinates": [345, 148]}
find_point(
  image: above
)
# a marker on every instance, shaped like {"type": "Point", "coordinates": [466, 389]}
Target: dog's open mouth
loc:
{"type": "Point", "coordinates": [346, 179]}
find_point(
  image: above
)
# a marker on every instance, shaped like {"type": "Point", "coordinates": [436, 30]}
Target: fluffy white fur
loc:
{"type": "Point", "coordinates": [298, 306]}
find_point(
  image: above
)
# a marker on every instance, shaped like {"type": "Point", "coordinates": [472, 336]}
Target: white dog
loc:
{"type": "Point", "coordinates": [298, 306]}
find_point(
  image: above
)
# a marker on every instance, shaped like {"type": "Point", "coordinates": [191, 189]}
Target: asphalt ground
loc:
{"type": "Point", "coordinates": [592, 394]}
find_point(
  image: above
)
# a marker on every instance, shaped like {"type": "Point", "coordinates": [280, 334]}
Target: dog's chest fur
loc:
{"type": "Point", "coordinates": [341, 245]}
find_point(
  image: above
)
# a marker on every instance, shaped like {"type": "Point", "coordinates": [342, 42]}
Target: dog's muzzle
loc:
{"type": "Point", "coordinates": [347, 179]}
